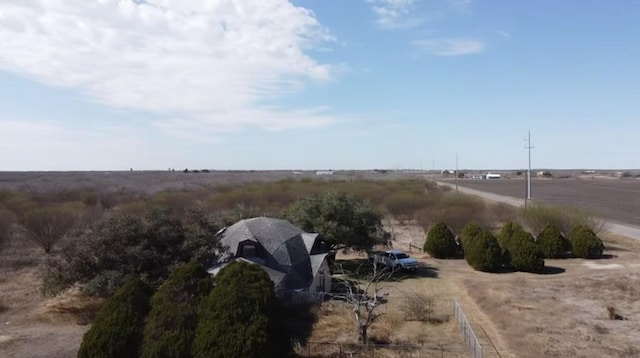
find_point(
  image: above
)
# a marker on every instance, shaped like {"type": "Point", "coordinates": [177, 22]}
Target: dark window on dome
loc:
{"type": "Point", "coordinates": [248, 250]}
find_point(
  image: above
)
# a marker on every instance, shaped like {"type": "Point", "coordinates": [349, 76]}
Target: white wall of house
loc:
{"type": "Point", "coordinates": [322, 280]}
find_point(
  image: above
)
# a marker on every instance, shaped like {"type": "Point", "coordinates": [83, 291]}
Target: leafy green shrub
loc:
{"type": "Point", "coordinates": [239, 317]}
{"type": "Point", "coordinates": [171, 324]}
{"type": "Point", "coordinates": [524, 253]}
{"type": "Point", "coordinates": [345, 221]}
{"type": "Point", "coordinates": [440, 242]}
{"type": "Point", "coordinates": [117, 329]}
{"type": "Point", "coordinates": [552, 243]}
{"type": "Point", "coordinates": [124, 244]}
{"type": "Point", "coordinates": [585, 243]}
{"type": "Point", "coordinates": [482, 252]}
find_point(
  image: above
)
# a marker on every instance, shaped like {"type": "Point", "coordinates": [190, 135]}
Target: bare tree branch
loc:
{"type": "Point", "coordinates": [365, 296]}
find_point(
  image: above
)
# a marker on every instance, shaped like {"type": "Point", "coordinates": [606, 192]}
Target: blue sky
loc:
{"type": "Point", "coordinates": [309, 84]}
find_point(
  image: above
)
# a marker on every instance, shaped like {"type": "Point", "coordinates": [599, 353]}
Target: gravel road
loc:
{"type": "Point", "coordinates": [613, 227]}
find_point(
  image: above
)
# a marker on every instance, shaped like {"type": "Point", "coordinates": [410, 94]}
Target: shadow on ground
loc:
{"type": "Point", "coordinates": [362, 268]}
{"type": "Point", "coordinates": [552, 270]}
{"type": "Point", "coordinates": [299, 320]}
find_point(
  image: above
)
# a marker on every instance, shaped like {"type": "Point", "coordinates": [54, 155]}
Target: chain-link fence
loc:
{"type": "Point", "coordinates": [470, 339]}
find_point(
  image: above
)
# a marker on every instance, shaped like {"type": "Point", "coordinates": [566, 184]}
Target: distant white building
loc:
{"type": "Point", "coordinates": [493, 176]}
{"type": "Point", "coordinates": [324, 172]}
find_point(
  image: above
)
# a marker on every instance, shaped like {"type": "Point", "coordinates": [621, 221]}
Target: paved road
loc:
{"type": "Point", "coordinates": [614, 227]}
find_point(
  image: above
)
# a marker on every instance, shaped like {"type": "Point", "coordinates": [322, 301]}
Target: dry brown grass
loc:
{"type": "Point", "coordinates": [72, 306]}
{"type": "Point", "coordinates": [614, 242]}
{"type": "Point", "coordinates": [335, 325]}
{"type": "Point", "coordinates": [565, 315]}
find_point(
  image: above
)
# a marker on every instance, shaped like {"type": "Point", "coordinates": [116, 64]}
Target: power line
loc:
{"type": "Point", "coordinates": [456, 172]}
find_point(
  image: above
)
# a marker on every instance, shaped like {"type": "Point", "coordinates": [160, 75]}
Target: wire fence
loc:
{"type": "Point", "coordinates": [426, 309]}
{"type": "Point", "coordinates": [339, 350]}
{"type": "Point", "coordinates": [470, 339]}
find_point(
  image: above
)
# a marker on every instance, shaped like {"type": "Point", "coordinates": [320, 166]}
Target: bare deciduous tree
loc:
{"type": "Point", "coordinates": [365, 296]}
{"type": "Point", "coordinates": [47, 225]}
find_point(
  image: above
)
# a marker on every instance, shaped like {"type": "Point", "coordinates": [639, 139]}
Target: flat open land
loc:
{"type": "Point", "coordinates": [559, 314]}
{"type": "Point", "coordinates": [612, 199]}
{"type": "Point", "coordinates": [151, 182]}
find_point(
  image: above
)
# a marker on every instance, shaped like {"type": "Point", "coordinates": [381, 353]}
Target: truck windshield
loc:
{"type": "Point", "coordinates": [401, 256]}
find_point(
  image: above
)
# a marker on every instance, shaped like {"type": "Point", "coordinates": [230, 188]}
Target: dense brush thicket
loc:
{"type": "Point", "coordinates": [117, 329]}
{"type": "Point", "coordinates": [149, 246]}
{"type": "Point", "coordinates": [585, 243]}
{"type": "Point", "coordinates": [440, 242]}
{"type": "Point", "coordinates": [171, 324]}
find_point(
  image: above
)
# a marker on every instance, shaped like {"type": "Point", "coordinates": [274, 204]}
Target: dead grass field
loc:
{"type": "Point", "coordinates": [151, 182]}
{"type": "Point", "coordinates": [554, 315]}
{"type": "Point", "coordinates": [613, 199]}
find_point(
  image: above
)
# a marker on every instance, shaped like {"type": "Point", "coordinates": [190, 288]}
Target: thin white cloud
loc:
{"type": "Point", "coordinates": [460, 4]}
{"type": "Point", "coordinates": [222, 60]}
{"type": "Point", "coordinates": [450, 46]}
{"type": "Point", "coordinates": [393, 14]}
{"type": "Point", "coordinates": [505, 35]}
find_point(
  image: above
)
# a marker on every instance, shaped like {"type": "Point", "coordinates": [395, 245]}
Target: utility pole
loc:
{"type": "Point", "coordinates": [433, 172]}
{"type": "Point", "coordinates": [528, 147]}
{"type": "Point", "coordinates": [456, 172]}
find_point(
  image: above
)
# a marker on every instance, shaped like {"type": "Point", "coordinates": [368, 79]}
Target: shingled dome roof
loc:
{"type": "Point", "coordinates": [284, 245]}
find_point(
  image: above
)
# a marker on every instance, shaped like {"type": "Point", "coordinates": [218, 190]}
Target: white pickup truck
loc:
{"type": "Point", "coordinates": [394, 259]}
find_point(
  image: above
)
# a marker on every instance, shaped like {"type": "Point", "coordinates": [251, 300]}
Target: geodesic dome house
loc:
{"type": "Point", "coordinates": [294, 259]}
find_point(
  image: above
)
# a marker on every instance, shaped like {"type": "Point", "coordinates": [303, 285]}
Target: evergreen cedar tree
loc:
{"type": "Point", "coordinates": [504, 240]}
{"type": "Point", "coordinates": [506, 233]}
{"type": "Point", "coordinates": [552, 243]}
{"type": "Point", "coordinates": [469, 232]}
{"type": "Point", "coordinates": [117, 329]}
{"type": "Point", "coordinates": [441, 243]}
{"type": "Point", "coordinates": [171, 324]}
{"type": "Point", "coordinates": [345, 221]}
{"type": "Point", "coordinates": [585, 243]}
{"type": "Point", "coordinates": [482, 252]}
{"type": "Point", "coordinates": [239, 317]}
{"type": "Point", "coordinates": [524, 253]}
